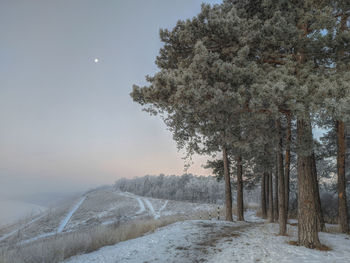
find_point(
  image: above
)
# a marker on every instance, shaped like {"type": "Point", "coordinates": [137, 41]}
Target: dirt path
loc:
{"type": "Point", "coordinates": [145, 203]}
{"type": "Point", "coordinates": [208, 239]}
{"type": "Point", "coordinates": [185, 242]}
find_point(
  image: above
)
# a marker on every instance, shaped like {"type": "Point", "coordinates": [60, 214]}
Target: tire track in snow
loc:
{"type": "Point", "coordinates": [142, 206]}
{"type": "Point", "coordinates": [61, 227]}
{"type": "Point", "coordinates": [150, 207]}
{"type": "Point", "coordinates": [65, 221]}
{"type": "Point", "coordinates": [20, 228]}
{"type": "Point", "coordinates": [161, 209]}
{"type": "Point", "coordinates": [49, 234]}
{"type": "Point", "coordinates": [148, 203]}
{"type": "Point", "coordinates": [138, 199]}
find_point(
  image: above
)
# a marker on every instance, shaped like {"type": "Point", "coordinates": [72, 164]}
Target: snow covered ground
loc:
{"type": "Point", "coordinates": [188, 241]}
{"type": "Point", "coordinates": [99, 207]}
{"type": "Point", "coordinates": [218, 241]}
{"type": "Point", "coordinates": [261, 244]}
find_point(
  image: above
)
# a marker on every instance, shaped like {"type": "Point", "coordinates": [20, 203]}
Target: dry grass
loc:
{"type": "Point", "coordinates": [324, 248]}
{"type": "Point", "coordinates": [293, 243]}
{"type": "Point", "coordinates": [64, 246]}
{"type": "Point", "coordinates": [320, 248]}
{"type": "Point", "coordinates": [259, 213]}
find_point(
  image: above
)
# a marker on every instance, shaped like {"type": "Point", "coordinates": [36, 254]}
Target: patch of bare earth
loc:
{"type": "Point", "coordinates": [208, 236]}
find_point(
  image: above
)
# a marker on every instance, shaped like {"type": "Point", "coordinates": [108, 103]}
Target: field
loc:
{"type": "Point", "coordinates": [92, 217]}
{"type": "Point", "coordinates": [105, 225]}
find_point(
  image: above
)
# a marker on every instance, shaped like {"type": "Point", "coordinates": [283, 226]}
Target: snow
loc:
{"type": "Point", "coordinates": [69, 215]}
{"type": "Point", "coordinates": [161, 209]}
{"type": "Point", "coordinates": [142, 206]}
{"type": "Point", "coordinates": [99, 207]}
{"type": "Point", "coordinates": [166, 244]}
{"type": "Point", "coordinates": [60, 228]}
{"type": "Point", "coordinates": [150, 207]}
{"type": "Point", "coordinates": [188, 241]}
{"type": "Point", "coordinates": [138, 199]}
{"type": "Point", "coordinates": [49, 234]}
{"type": "Point", "coordinates": [20, 228]}
{"type": "Point", "coordinates": [261, 244]}
{"type": "Point", "coordinates": [219, 241]}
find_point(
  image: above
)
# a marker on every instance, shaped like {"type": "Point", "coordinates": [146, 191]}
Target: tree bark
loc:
{"type": "Point", "coordinates": [287, 162]}
{"type": "Point", "coordinates": [342, 201]}
{"type": "Point", "coordinates": [240, 209]}
{"type": "Point", "coordinates": [282, 218]}
{"type": "Point", "coordinates": [263, 196]}
{"type": "Point", "coordinates": [307, 216]}
{"type": "Point", "coordinates": [321, 226]}
{"type": "Point", "coordinates": [340, 129]}
{"type": "Point", "coordinates": [276, 192]}
{"type": "Point", "coordinates": [270, 212]}
{"type": "Point", "coordinates": [228, 194]}
{"type": "Point", "coordinates": [267, 189]}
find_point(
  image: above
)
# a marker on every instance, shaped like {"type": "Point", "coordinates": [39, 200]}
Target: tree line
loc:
{"type": "Point", "coordinates": [187, 187]}
{"type": "Point", "coordinates": [201, 189]}
{"type": "Point", "coordinates": [248, 79]}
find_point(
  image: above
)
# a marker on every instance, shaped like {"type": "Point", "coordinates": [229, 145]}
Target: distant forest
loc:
{"type": "Point", "coordinates": [188, 187]}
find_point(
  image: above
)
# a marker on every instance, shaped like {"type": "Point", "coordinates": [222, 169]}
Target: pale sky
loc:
{"type": "Point", "coordinates": [68, 123]}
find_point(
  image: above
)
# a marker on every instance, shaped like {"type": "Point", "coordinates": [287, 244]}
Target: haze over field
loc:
{"type": "Point", "coordinates": [68, 123]}
{"type": "Point", "coordinates": [255, 91]}
{"type": "Point", "coordinates": [17, 210]}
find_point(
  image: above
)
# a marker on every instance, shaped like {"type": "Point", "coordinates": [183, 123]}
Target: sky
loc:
{"type": "Point", "coordinates": [68, 123]}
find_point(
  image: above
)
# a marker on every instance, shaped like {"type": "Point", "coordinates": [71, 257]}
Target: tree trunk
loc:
{"type": "Point", "coordinates": [240, 212]}
{"type": "Point", "coordinates": [263, 196]}
{"type": "Point", "coordinates": [276, 192]}
{"type": "Point", "coordinates": [320, 220]}
{"type": "Point", "coordinates": [282, 218]}
{"type": "Point", "coordinates": [342, 202]}
{"type": "Point", "coordinates": [307, 216]}
{"type": "Point", "coordinates": [228, 194]}
{"type": "Point", "coordinates": [267, 190]}
{"type": "Point", "coordinates": [270, 212]}
{"type": "Point", "coordinates": [287, 162]}
{"type": "Point", "coordinates": [340, 128]}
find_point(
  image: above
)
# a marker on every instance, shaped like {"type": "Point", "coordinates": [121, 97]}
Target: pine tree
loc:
{"type": "Point", "coordinates": [288, 161]}
{"type": "Point", "coordinates": [343, 11]}
{"type": "Point", "coordinates": [263, 196]}
{"type": "Point", "coordinates": [293, 55]}
{"type": "Point", "coordinates": [214, 83]}
{"type": "Point", "coordinates": [282, 217]}
{"type": "Point", "coordinates": [336, 106]}
{"type": "Point", "coordinates": [201, 84]}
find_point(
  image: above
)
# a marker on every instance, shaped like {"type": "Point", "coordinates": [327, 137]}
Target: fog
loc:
{"type": "Point", "coordinates": [68, 123]}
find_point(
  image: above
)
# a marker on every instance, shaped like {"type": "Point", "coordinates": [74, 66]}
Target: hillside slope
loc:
{"type": "Point", "coordinates": [219, 241]}
{"type": "Point", "coordinates": [95, 208]}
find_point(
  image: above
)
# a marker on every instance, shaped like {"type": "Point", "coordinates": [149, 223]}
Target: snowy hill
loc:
{"type": "Point", "coordinates": [101, 207]}
{"type": "Point", "coordinates": [104, 214]}
{"type": "Point", "coordinates": [219, 241]}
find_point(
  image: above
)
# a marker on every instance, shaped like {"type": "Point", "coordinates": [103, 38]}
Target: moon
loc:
{"type": "Point", "coordinates": [96, 60]}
